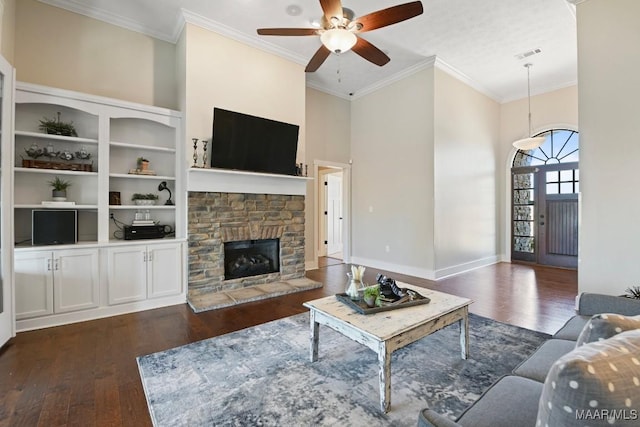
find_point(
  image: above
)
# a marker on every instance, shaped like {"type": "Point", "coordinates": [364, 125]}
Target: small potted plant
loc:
{"type": "Point", "coordinates": [57, 127]}
{"type": "Point", "coordinates": [60, 186]}
{"type": "Point", "coordinates": [372, 296]}
{"type": "Point", "coordinates": [144, 199]}
{"type": "Point", "coordinates": [142, 164]}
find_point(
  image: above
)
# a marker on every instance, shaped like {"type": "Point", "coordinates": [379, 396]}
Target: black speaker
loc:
{"type": "Point", "coordinates": [54, 227]}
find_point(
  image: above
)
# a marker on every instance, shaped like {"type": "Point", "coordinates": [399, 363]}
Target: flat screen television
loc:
{"type": "Point", "coordinates": [244, 142]}
{"type": "Point", "coordinates": [54, 227]}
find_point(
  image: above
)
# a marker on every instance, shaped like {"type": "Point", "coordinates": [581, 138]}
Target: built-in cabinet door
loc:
{"type": "Point", "coordinates": [127, 274]}
{"type": "Point", "coordinates": [76, 279]}
{"type": "Point", "coordinates": [34, 284]}
{"type": "Point", "coordinates": [164, 269]}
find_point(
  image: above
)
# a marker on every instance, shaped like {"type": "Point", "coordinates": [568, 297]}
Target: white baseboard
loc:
{"type": "Point", "coordinates": [398, 268]}
{"type": "Point", "coordinates": [468, 266]}
{"type": "Point", "coordinates": [97, 313]}
{"type": "Point", "coordinates": [426, 273]}
{"type": "Point", "coordinates": [311, 265]}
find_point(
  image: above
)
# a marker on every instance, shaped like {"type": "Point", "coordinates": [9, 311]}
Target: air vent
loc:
{"type": "Point", "coordinates": [528, 53]}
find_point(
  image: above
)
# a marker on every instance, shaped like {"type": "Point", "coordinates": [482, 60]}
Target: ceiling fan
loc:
{"type": "Point", "coordinates": [339, 32]}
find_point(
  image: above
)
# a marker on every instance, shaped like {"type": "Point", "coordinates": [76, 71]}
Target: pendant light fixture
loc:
{"type": "Point", "coordinates": [530, 143]}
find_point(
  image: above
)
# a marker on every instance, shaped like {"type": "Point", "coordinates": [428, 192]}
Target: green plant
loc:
{"type": "Point", "coordinates": [59, 184]}
{"type": "Point", "coordinates": [372, 291]}
{"type": "Point", "coordinates": [148, 196]}
{"type": "Point", "coordinates": [56, 127]}
{"type": "Point", "coordinates": [633, 292]}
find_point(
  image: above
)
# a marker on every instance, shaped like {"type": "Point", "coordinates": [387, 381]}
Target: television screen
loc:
{"type": "Point", "coordinates": [250, 143]}
{"type": "Point", "coordinates": [54, 227]}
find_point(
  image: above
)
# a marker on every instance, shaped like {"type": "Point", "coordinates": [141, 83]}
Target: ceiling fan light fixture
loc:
{"type": "Point", "coordinates": [338, 40]}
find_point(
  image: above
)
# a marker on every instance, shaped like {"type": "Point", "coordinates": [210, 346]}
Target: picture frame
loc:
{"type": "Point", "coordinates": [114, 198]}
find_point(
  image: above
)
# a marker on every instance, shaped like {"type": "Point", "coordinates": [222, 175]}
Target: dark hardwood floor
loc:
{"type": "Point", "coordinates": [85, 374]}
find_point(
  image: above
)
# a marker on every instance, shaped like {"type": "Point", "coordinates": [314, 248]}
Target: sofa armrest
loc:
{"type": "Point", "coordinates": [590, 304]}
{"type": "Point", "coordinates": [429, 418]}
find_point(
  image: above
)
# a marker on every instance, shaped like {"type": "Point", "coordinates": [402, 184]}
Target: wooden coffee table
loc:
{"type": "Point", "coordinates": [387, 331]}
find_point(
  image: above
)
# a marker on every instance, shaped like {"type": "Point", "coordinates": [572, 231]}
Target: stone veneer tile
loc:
{"type": "Point", "coordinates": [217, 217]}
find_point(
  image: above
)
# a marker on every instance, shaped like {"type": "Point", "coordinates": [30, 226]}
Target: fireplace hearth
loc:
{"type": "Point", "coordinates": [247, 258]}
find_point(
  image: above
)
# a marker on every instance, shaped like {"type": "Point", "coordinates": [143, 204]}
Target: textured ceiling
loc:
{"type": "Point", "coordinates": [476, 40]}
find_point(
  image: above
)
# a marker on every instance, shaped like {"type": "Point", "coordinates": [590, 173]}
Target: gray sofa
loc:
{"type": "Point", "coordinates": [536, 387]}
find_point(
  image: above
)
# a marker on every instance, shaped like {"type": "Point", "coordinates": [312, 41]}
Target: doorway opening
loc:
{"type": "Point", "coordinates": [332, 212]}
{"type": "Point", "coordinates": [545, 184]}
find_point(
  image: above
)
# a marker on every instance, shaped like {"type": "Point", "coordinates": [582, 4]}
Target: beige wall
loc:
{"type": "Point", "coordinates": [221, 72]}
{"type": "Point", "coordinates": [608, 64]}
{"type": "Point", "coordinates": [465, 177]}
{"type": "Point", "coordinates": [57, 48]}
{"type": "Point", "coordinates": [328, 139]}
{"type": "Point", "coordinates": [392, 176]}
{"type": "Point", "coordinates": [7, 29]}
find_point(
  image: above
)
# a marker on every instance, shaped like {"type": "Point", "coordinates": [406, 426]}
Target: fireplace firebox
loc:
{"type": "Point", "coordinates": [246, 258]}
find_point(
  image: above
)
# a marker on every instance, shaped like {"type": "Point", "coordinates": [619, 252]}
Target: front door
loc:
{"type": "Point", "coordinates": [558, 215]}
{"type": "Point", "coordinates": [545, 187]}
{"type": "Point", "coordinates": [6, 233]}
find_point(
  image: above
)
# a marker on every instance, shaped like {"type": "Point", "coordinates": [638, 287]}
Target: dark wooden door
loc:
{"type": "Point", "coordinates": [557, 188]}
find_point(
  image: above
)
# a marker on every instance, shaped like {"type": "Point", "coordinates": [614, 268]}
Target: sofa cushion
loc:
{"type": "Point", "coordinates": [593, 382]}
{"type": "Point", "coordinates": [511, 401]}
{"type": "Point", "coordinates": [603, 326]}
{"type": "Point", "coordinates": [571, 330]}
{"type": "Point", "coordinates": [537, 366]}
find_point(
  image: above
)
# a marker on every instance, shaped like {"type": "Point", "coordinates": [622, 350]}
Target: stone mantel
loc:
{"type": "Point", "coordinates": [234, 181]}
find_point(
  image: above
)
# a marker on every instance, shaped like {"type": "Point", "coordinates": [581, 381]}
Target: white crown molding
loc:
{"type": "Point", "coordinates": [576, 2]}
{"type": "Point", "coordinates": [328, 91]}
{"type": "Point", "coordinates": [78, 7]}
{"type": "Point", "coordinates": [224, 30]}
{"type": "Point", "coordinates": [454, 72]}
{"type": "Point", "coordinates": [422, 65]}
{"type": "Point", "coordinates": [543, 91]}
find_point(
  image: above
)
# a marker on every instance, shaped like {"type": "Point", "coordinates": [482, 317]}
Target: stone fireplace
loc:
{"type": "Point", "coordinates": [239, 221]}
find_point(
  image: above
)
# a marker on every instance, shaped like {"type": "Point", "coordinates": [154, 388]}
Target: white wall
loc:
{"type": "Point", "coordinates": [392, 176]}
{"type": "Point", "coordinates": [608, 64]}
{"type": "Point", "coordinates": [466, 177]}
{"type": "Point", "coordinates": [57, 48]}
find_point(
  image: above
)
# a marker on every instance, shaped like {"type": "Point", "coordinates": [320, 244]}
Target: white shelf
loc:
{"type": "Point", "coordinates": [54, 171]}
{"type": "Point", "coordinates": [47, 136]}
{"type": "Point", "coordinates": [141, 147]}
{"type": "Point", "coordinates": [134, 176]}
{"type": "Point", "coordinates": [39, 206]}
{"type": "Point", "coordinates": [136, 207]}
{"type": "Point", "coordinates": [235, 181]}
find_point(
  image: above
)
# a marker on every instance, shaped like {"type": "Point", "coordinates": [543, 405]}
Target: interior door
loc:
{"type": "Point", "coordinates": [558, 188]}
{"type": "Point", "coordinates": [334, 216]}
{"type": "Point", "coordinates": [7, 320]}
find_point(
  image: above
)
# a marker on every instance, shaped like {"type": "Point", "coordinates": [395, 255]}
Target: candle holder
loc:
{"type": "Point", "coordinates": [204, 154]}
{"type": "Point", "coordinates": [195, 152]}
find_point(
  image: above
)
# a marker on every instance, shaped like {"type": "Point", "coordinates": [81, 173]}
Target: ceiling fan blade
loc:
{"type": "Point", "coordinates": [288, 31]}
{"type": "Point", "coordinates": [320, 56]}
{"type": "Point", "coordinates": [391, 15]}
{"type": "Point", "coordinates": [370, 52]}
{"type": "Point", "coordinates": [331, 8]}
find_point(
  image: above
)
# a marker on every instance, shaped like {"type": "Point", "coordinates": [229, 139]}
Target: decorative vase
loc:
{"type": "Point", "coordinates": [354, 288]}
{"type": "Point", "coordinates": [370, 300]}
{"type": "Point", "coordinates": [59, 195]}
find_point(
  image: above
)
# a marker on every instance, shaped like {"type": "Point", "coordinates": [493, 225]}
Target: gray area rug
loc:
{"type": "Point", "coordinates": [262, 376]}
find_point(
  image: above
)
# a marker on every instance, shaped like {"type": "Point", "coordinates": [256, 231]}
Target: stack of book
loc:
{"type": "Point", "coordinates": [143, 222]}
{"type": "Point", "coordinates": [141, 172]}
